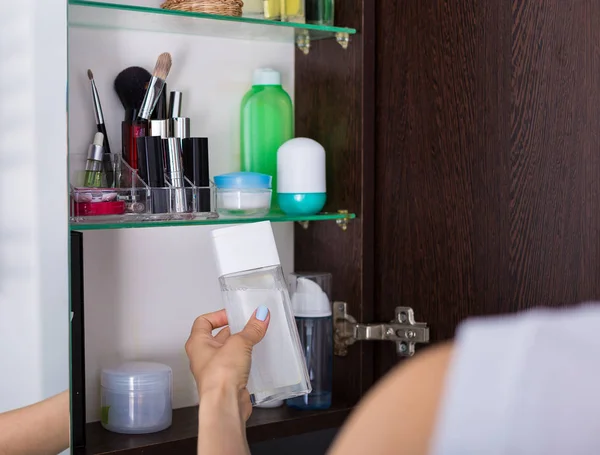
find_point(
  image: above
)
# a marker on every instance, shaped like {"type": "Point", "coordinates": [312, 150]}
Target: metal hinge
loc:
{"type": "Point", "coordinates": [403, 330]}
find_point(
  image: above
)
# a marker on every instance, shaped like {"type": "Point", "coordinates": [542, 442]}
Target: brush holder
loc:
{"type": "Point", "coordinates": [135, 201]}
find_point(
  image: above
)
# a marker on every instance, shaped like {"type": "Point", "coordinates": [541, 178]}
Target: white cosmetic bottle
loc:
{"type": "Point", "coordinates": [301, 186]}
{"type": "Point", "coordinates": [251, 276]}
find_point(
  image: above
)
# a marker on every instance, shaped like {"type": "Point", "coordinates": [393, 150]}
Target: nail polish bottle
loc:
{"type": "Point", "coordinates": [93, 165]}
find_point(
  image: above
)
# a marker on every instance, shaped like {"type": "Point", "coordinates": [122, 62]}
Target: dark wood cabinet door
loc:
{"type": "Point", "coordinates": [487, 159]}
{"type": "Point", "coordinates": [335, 105]}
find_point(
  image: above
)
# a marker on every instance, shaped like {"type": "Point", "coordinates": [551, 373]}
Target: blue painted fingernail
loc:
{"type": "Point", "coordinates": [262, 313]}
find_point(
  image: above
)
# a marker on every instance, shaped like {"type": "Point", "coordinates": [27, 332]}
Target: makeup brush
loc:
{"type": "Point", "coordinates": [155, 88]}
{"type": "Point", "coordinates": [106, 158]}
{"type": "Point", "coordinates": [153, 93]}
{"type": "Point", "coordinates": [130, 85]}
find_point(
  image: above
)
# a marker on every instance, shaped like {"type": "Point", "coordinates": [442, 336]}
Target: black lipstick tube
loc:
{"type": "Point", "coordinates": [151, 167]}
{"type": "Point", "coordinates": [196, 167]}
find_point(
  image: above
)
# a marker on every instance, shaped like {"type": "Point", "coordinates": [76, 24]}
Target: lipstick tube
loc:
{"type": "Point", "coordinates": [176, 175]}
{"type": "Point", "coordinates": [195, 164]}
{"type": "Point", "coordinates": [159, 128]}
{"type": "Point", "coordinates": [175, 102]}
{"type": "Point", "coordinates": [180, 127]}
{"type": "Point", "coordinates": [150, 150]}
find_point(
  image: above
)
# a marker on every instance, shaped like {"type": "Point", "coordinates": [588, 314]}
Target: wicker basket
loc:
{"type": "Point", "coordinates": [221, 7]}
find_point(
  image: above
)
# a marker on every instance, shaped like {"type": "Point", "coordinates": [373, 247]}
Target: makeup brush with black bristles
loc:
{"type": "Point", "coordinates": [153, 93]}
{"type": "Point", "coordinates": [131, 85]}
{"type": "Point", "coordinates": [101, 127]}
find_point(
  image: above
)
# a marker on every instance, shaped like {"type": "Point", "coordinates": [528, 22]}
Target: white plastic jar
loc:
{"type": "Point", "coordinates": [136, 398]}
{"type": "Point", "coordinates": [243, 194]}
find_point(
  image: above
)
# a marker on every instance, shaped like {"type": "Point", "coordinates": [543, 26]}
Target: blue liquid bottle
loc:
{"type": "Point", "coordinates": [312, 309]}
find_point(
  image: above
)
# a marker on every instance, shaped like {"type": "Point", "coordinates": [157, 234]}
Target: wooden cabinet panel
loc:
{"type": "Point", "coordinates": [335, 102]}
{"type": "Point", "coordinates": [487, 161]}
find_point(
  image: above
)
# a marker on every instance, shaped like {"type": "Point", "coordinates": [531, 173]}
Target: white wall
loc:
{"type": "Point", "coordinates": [34, 315]}
{"type": "Point", "coordinates": [144, 287]}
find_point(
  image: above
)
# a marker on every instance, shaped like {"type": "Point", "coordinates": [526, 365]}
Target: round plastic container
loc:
{"type": "Point", "coordinates": [136, 398]}
{"type": "Point", "coordinates": [243, 194]}
{"type": "Point", "coordinates": [301, 184]}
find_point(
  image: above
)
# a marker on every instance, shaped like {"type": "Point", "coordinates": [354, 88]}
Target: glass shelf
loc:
{"type": "Point", "coordinates": [83, 13]}
{"type": "Point", "coordinates": [341, 218]}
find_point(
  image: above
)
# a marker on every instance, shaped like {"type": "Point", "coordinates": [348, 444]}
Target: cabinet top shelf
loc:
{"type": "Point", "coordinates": [83, 13]}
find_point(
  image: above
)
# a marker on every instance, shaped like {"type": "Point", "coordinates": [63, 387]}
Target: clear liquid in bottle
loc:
{"type": "Point", "coordinates": [251, 276]}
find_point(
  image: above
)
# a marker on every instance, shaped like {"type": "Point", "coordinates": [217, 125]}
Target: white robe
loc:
{"type": "Point", "coordinates": [524, 385]}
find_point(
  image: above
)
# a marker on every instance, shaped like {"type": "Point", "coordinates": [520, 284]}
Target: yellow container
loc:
{"type": "Point", "coordinates": [284, 10]}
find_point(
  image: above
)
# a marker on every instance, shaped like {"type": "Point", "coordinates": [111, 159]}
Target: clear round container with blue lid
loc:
{"type": "Point", "coordinates": [136, 398]}
{"type": "Point", "coordinates": [243, 194]}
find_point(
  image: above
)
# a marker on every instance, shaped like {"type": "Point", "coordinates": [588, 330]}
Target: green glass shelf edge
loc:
{"type": "Point", "coordinates": [274, 218]}
{"type": "Point", "coordinates": [323, 31]}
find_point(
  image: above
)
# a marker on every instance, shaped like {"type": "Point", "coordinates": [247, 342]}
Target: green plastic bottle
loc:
{"type": "Point", "coordinates": [267, 121]}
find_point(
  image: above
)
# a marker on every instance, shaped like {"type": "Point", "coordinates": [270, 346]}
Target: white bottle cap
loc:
{"type": "Point", "coordinates": [266, 76]}
{"type": "Point", "coordinates": [301, 167]}
{"type": "Point", "coordinates": [309, 300]}
{"type": "Point", "coordinates": [245, 247]}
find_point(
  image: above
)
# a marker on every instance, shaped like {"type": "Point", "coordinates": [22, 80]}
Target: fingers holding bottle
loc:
{"type": "Point", "coordinates": [223, 360]}
{"type": "Point", "coordinates": [256, 328]}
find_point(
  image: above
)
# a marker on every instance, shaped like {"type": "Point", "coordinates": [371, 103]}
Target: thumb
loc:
{"type": "Point", "coordinates": [256, 328]}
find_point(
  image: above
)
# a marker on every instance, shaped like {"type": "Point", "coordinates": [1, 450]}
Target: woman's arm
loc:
{"type": "Point", "coordinates": [399, 415]}
{"type": "Point", "coordinates": [221, 425]}
{"type": "Point", "coordinates": [40, 429]}
{"type": "Point", "coordinates": [221, 367]}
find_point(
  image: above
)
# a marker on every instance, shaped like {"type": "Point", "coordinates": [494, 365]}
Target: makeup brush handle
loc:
{"type": "Point", "coordinates": [106, 158]}
{"type": "Point", "coordinates": [138, 129]}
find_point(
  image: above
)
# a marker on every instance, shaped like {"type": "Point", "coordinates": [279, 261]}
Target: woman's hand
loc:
{"type": "Point", "coordinates": [221, 363]}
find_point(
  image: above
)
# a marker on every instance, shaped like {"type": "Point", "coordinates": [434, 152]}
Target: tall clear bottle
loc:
{"type": "Point", "coordinates": [251, 276]}
{"type": "Point", "coordinates": [311, 303]}
{"type": "Point", "coordinates": [267, 121]}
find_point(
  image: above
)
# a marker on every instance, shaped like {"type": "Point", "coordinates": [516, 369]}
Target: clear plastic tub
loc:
{"type": "Point", "coordinates": [243, 194]}
{"type": "Point", "coordinates": [136, 398]}
{"type": "Point", "coordinates": [249, 202]}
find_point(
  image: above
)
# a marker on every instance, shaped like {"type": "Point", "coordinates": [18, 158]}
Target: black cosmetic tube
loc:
{"type": "Point", "coordinates": [151, 165]}
{"type": "Point", "coordinates": [196, 168]}
{"type": "Point", "coordinates": [160, 111]}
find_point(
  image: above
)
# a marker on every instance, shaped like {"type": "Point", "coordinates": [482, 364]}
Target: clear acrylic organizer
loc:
{"type": "Point", "coordinates": [133, 200]}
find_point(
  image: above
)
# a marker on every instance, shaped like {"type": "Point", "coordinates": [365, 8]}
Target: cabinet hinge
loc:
{"type": "Point", "coordinates": [403, 330]}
